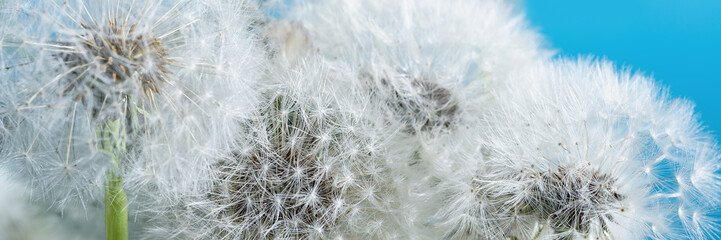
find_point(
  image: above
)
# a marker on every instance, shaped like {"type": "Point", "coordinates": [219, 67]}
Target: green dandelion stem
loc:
{"type": "Point", "coordinates": [116, 202]}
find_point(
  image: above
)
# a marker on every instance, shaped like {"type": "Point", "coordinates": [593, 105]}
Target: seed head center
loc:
{"type": "Point", "coordinates": [114, 60]}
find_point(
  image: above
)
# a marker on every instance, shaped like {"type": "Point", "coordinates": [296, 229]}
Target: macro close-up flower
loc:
{"type": "Point", "coordinates": [428, 61]}
{"type": "Point", "coordinates": [308, 164]}
{"type": "Point", "coordinates": [356, 119]}
{"type": "Point", "coordinates": [97, 94]}
{"type": "Point", "coordinates": [576, 150]}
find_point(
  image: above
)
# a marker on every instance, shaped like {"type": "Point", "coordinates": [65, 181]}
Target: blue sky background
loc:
{"type": "Point", "coordinates": [678, 42]}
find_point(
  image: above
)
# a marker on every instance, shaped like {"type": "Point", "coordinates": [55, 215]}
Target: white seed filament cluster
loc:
{"type": "Point", "coordinates": [573, 198]}
{"type": "Point", "coordinates": [421, 105]}
{"type": "Point", "coordinates": [112, 61]}
{"type": "Point", "coordinates": [289, 181]}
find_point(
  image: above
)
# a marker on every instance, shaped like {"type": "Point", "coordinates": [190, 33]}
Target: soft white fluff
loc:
{"type": "Point", "coordinates": [428, 60]}
{"type": "Point", "coordinates": [356, 119]}
{"type": "Point", "coordinates": [578, 150]}
{"type": "Point", "coordinates": [178, 72]}
{"type": "Point", "coordinates": [429, 65]}
{"type": "Point", "coordinates": [309, 163]}
{"type": "Point", "coordinates": [19, 219]}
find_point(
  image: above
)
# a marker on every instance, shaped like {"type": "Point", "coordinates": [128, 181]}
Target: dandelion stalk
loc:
{"type": "Point", "coordinates": [116, 202]}
{"type": "Point", "coordinates": [80, 82]}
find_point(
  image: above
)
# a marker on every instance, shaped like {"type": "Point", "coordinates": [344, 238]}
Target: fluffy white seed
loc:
{"type": "Point", "coordinates": [577, 150]}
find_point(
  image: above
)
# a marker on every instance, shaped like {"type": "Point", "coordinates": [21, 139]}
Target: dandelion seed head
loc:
{"type": "Point", "coordinates": [108, 56]}
{"type": "Point", "coordinates": [573, 198]}
{"type": "Point", "coordinates": [416, 58]}
{"type": "Point", "coordinates": [74, 65]}
{"type": "Point", "coordinates": [282, 171]}
{"type": "Point", "coordinates": [292, 171]}
{"type": "Point", "coordinates": [573, 153]}
{"type": "Point", "coordinates": [428, 75]}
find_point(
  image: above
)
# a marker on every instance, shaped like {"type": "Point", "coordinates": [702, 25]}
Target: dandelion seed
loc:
{"type": "Point", "coordinates": [287, 176]}
{"type": "Point", "coordinates": [103, 85]}
{"type": "Point", "coordinates": [619, 181]}
{"type": "Point", "coordinates": [415, 57]}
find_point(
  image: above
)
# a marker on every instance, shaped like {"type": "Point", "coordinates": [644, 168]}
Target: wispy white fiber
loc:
{"type": "Point", "coordinates": [429, 60]}
{"type": "Point", "coordinates": [578, 150]}
{"type": "Point", "coordinates": [429, 66]}
{"type": "Point", "coordinates": [176, 73]}
{"type": "Point", "coordinates": [355, 119]}
{"type": "Point", "coordinates": [19, 219]}
{"type": "Point", "coordinates": [309, 163]}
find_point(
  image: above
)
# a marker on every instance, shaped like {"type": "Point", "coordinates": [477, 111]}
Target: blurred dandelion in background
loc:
{"type": "Point", "coordinates": [411, 119]}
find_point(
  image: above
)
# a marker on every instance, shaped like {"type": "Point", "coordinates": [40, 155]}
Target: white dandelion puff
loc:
{"type": "Point", "coordinates": [173, 73]}
{"type": "Point", "coordinates": [309, 164]}
{"type": "Point", "coordinates": [576, 150]}
{"type": "Point", "coordinates": [427, 60]}
{"type": "Point", "coordinates": [430, 66]}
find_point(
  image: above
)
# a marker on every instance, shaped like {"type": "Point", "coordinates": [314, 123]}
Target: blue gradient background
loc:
{"type": "Point", "coordinates": [677, 42]}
